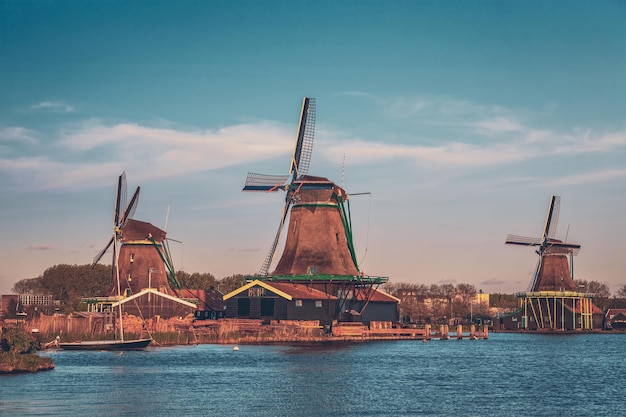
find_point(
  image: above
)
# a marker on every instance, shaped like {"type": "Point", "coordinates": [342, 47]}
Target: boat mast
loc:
{"type": "Point", "coordinates": [119, 292]}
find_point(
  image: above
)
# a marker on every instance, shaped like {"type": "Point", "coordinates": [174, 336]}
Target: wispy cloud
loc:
{"type": "Point", "coordinates": [17, 134]}
{"type": "Point", "coordinates": [85, 155]}
{"type": "Point", "coordinates": [448, 132]}
{"type": "Point", "coordinates": [462, 155]}
{"type": "Point", "coordinates": [39, 248]}
{"type": "Point", "coordinates": [498, 124]}
{"type": "Point", "coordinates": [493, 281]}
{"type": "Point", "coordinates": [587, 178]}
{"type": "Point", "coordinates": [89, 153]}
{"type": "Point", "coordinates": [55, 106]}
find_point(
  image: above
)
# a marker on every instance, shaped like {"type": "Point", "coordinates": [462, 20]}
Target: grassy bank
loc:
{"type": "Point", "coordinates": [18, 353]}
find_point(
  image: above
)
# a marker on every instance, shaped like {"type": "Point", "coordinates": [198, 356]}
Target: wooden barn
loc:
{"type": "Point", "coordinates": [210, 303]}
{"type": "Point", "coordinates": [151, 302]}
{"type": "Point", "coordinates": [280, 301]}
{"type": "Point", "coordinates": [381, 307]}
{"type": "Point", "coordinates": [297, 301]}
{"type": "Point", "coordinates": [615, 318]}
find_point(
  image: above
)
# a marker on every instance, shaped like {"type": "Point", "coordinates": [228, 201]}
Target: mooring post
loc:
{"type": "Point", "coordinates": [486, 331]}
{"type": "Point", "coordinates": [473, 332]}
{"type": "Point", "coordinates": [427, 332]}
{"type": "Point", "coordinates": [459, 331]}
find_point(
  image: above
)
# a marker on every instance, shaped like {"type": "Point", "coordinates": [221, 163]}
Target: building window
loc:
{"type": "Point", "coordinates": [318, 303]}
{"type": "Point", "coordinates": [256, 292]}
{"type": "Point", "coordinates": [298, 303]}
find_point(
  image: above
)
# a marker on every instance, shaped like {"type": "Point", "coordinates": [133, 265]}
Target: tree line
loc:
{"type": "Point", "coordinates": [69, 283]}
{"type": "Point", "coordinates": [421, 303]}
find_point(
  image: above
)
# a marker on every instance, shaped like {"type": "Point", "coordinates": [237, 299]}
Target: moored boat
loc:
{"type": "Point", "coordinates": [137, 344]}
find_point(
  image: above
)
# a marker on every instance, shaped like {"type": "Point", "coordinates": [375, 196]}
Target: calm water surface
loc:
{"type": "Point", "coordinates": [507, 375]}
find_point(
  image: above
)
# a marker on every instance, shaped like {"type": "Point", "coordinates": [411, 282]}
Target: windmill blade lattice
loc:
{"type": "Point", "coordinates": [99, 256]}
{"type": "Point", "coordinates": [552, 219]}
{"type": "Point", "coordinates": [522, 240]}
{"type": "Point", "coordinates": [300, 161]}
{"type": "Point", "coordinates": [270, 255]}
{"type": "Point", "coordinates": [264, 182]}
{"type": "Point", "coordinates": [304, 141]}
{"type": "Point", "coordinates": [120, 199]}
{"type": "Point", "coordinates": [130, 210]}
{"type": "Point", "coordinates": [533, 285]}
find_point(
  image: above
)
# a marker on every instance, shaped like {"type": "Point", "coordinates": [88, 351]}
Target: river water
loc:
{"type": "Point", "coordinates": [507, 375]}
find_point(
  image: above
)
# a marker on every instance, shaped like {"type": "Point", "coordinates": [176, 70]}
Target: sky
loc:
{"type": "Point", "coordinates": [461, 119]}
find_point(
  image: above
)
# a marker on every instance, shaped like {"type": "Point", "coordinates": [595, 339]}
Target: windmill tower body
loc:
{"type": "Point", "coordinates": [554, 274]}
{"type": "Point", "coordinates": [318, 249]}
{"type": "Point", "coordinates": [140, 264]}
{"type": "Point", "coordinates": [316, 241]}
{"type": "Point", "coordinates": [553, 302]}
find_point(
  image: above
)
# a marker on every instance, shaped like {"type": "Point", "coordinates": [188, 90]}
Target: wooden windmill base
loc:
{"type": "Point", "coordinates": [353, 292]}
{"type": "Point", "coordinates": [556, 310]}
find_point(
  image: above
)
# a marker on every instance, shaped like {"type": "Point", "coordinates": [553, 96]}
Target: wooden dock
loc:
{"type": "Point", "coordinates": [356, 330]}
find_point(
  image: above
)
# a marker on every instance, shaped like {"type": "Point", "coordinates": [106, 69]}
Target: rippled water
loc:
{"type": "Point", "coordinates": [507, 375]}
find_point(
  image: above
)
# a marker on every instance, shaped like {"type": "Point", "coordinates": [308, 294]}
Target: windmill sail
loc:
{"type": "Point", "coordinates": [304, 142]}
{"type": "Point", "coordinates": [300, 161]}
{"type": "Point", "coordinates": [552, 219]}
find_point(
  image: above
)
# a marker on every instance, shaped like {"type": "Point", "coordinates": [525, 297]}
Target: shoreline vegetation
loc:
{"type": "Point", "coordinates": [18, 353]}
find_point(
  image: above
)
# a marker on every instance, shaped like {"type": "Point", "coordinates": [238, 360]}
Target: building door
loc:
{"type": "Point", "coordinates": [243, 307]}
{"type": "Point", "coordinates": [267, 307]}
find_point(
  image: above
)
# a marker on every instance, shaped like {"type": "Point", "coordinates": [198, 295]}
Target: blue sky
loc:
{"type": "Point", "coordinates": [460, 118]}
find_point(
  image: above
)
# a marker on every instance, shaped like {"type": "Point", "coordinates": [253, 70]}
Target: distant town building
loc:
{"type": "Point", "coordinates": [36, 300]}
{"type": "Point", "coordinates": [8, 305]}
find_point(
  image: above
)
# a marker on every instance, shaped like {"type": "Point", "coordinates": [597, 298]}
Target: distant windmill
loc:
{"type": "Point", "coordinates": [553, 272]}
{"type": "Point", "coordinates": [136, 264]}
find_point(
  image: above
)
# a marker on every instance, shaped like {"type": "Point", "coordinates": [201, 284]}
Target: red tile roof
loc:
{"type": "Point", "coordinates": [299, 291]}
{"type": "Point", "coordinates": [209, 300]}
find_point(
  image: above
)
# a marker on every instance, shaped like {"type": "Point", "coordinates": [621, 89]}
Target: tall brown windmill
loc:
{"type": "Point", "coordinates": [553, 284]}
{"type": "Point", "coordinates": [318, 248]}
{"type": "Point", "coordinates": [140, 255]}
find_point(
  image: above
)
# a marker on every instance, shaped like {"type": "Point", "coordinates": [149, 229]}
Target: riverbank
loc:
{"type": "Point", "coordinates": [24, 363]}
{"type": "Point", "coordinates": [188, 331]}
{"type": "Point", "coordinates": [18, 353]}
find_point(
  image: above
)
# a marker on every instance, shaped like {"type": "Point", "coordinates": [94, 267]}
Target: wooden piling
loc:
{"type": "Point", "coordinates": [459, 332]}
{"type": "Point", "coordinates": [473, 332]}
{"type": "Point", "coordinates": [444, 332]}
